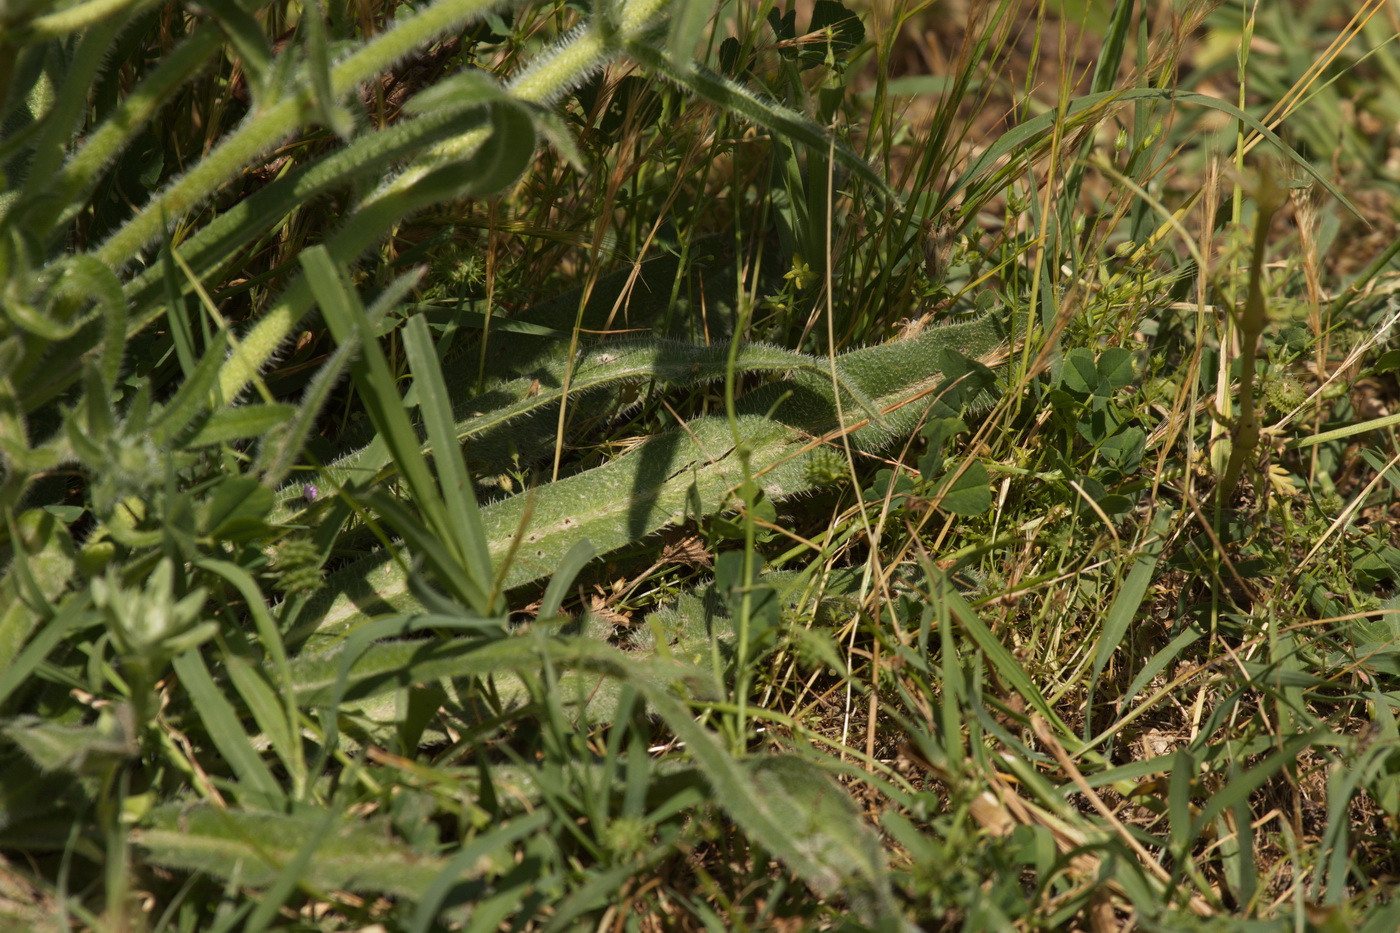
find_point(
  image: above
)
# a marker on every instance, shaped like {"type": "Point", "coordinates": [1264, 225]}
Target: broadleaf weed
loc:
{"type": "Point", "coordinates": [469, 466]}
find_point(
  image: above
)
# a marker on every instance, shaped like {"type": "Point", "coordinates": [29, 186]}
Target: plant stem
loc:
{"type": "Point", "coordinates": [265, 128]}
{"type": "Point", "coordinates": [1244, 437]}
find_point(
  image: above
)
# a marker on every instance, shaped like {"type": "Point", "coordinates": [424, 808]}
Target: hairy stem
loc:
{"type": "Point", "coordinates": [1244, 438]}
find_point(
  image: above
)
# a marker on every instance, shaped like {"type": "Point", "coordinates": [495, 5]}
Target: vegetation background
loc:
{"type": "Point", "coordinates": [647, 465]}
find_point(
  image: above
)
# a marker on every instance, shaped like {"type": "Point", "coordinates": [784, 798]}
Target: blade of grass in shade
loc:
{"type": "Point", "coordinates": [1247, 782]}
{"type": "Point", "coordinates": [951, 699]}
{"type": "Point", "coordinates": [259, 788]}
{"type": "Point", "coordinates": [1125, 606]}
{"type": "Point", "coordinates": [734, 791]}
{"type": "Point", "coordinates": [1345, 778]}
{"type": "Point", "coordinates": [318, 62]}
{"type": "Point", "coordinates": [1181, 785]}
{"type": "Point", "coordinates": [1105, 76]}
{"type": "Point", "coordinates": [430, 541]}
{"type": "Point", "coordinates": [268, 711]}
{"type": "Point", "coordinates": [355, 672]}
{"type": "Point", "coordinates": [467, 860]}
{"type": "Point", "coordinates": [246, 34]}
{"type": "Point", "coordinates": [278, 457]}
{"type": "Point", "coordinates": [463, 520]}
{"type": "Point", "coordinates": [69, 185]}
{"type": "Point", "coordinates": [216, 242]}
{"type": "Point", "coordinates": [733, 97]}
{"type": "Point", "coordinates": [279, 453]}
{"type": "Point", "coordinates": [269, 637]}
{"type": "Point", "coordinates": [279, 120]}
{"type": "Point", "coordinates": [1001, 659]}
{"type": "Point", "coordinates": [594, 894]}
{"type": "Point", "coordinates": [574, 561]}
{"type": "Point", "coordinates": [176, 314]}
{"type": "Point", "coordinates": [239, 423]}
{"type": "Point", "coordinates": [1022, 140]}
{"type": "Point", "coordinates": [193, 395]}
{"type": "Point", "coordinates": [1238, 858]}
{"type": "Point", "coordinates": [82, 64]}
{"type": "Point", "coordinates": [1379, 464]}
{"type": "Point", "coordinates": [1382, 919]}
{"type": "Point", "coordinates": [373, 378]}
{"type": "Point", "coordinates": [1155, 665]}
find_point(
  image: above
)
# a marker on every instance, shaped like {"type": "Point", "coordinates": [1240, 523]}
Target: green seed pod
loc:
{"type": "Point", "coordinates": [824, 466]}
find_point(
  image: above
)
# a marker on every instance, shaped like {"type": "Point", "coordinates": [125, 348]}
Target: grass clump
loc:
{"type": "Point", "coordinates": [697, 467]}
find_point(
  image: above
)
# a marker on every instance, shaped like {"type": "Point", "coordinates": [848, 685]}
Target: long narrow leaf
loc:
{"type": "Point", "coordinates": [461, 522]}
{"type": "Point", "coordinates": [1022, 138]}
{"type": "Point", "coordinates": [1130, 596]}
{"type": "Point", "coordinates": [768, 114]}
{"type": "Point", "coordinates": [255, 849]}
{"type": "Point", "coordinates": [221, 722]}
{"type": "Point", "coordinates": [346, 317]}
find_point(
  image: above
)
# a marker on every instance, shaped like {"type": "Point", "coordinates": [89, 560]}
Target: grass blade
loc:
{"type": "Point", "coordinates": [461, 524]}
{"type": "Point", "coordinates": [226, 732]}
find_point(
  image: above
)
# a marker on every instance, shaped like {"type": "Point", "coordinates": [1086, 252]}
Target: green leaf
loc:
{"type": "Point", "coordinates": [937, 432]}
{"type": "Point", "coordinates": [87, 750]}
{"type": "Point", "coordinates": [721, 91]}
{"type": "Point", "coordinates": [1115, 369]}
{"type": "Point", "coordinates": [790, 808]}
{"type": "Point", "coordinates": [460, 524]}
{"type": "Point", "coordinates": [554, 594]}
{"type": "Point", "coordinates": [267, 709]}
{"type": "Point", "coordinates": [238, 504]}
{"type": "Point", "coordinates": [492, 167]}
{"type": "Point", "coordinates": [246, 34]}
{"type": "Point", "coordinates": [1387, 362]}
{"type": "Point", "coordinates": [967, 493]}
{"type": "Point", "coordinates": [845, 27]}
{"type": "Point", "coordinates": [1375, 642]}
{"type": "Point", "coordinates": [1079, 372]}
{"type": "Point", "coordinates": [257, 785]}
{"type": "Point", "coordinates": [255, 849]}
{"type": "Point", "coordinates": [821, 819]}
{"type": "Point", "coordinates": [193, 396]}
{"type": "Point", "coordinates": [965, 379]}
{"type": "Point", "coordinates": [16, 669]}
{"type": "Point", "coordinates": [239, 423]}
{"type": "Point", "coordinates": [1129, 598]}
{"type": "Point", "coordinates": [1124, 450]}
{"type": "Point", "coordinates": [784, 24]}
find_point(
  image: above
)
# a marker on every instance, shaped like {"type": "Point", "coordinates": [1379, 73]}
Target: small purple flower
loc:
{"type": "Point", "coordinates": [309, 492]}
